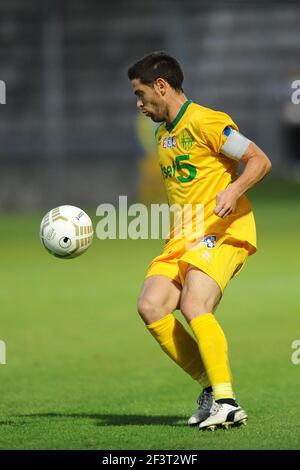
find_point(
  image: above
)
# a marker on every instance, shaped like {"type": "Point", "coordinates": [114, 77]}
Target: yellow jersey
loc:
{"type": "Point", "coordinates": [194, 170]}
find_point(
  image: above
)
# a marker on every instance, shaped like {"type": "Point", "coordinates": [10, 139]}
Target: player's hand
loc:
{"type": "Point", "coordinates": [226, 202]}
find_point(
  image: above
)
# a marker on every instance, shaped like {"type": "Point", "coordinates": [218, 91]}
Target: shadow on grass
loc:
{"type": "Point", "coordinates": [116, 420]}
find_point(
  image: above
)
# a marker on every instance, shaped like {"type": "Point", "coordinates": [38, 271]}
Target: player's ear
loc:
{"type": "Point", "coordinates": [160, 85]}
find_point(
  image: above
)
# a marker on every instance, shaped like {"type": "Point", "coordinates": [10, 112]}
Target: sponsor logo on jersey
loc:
{"type": "Point", "coordinates": [169, 142]}
{"type": "Point", "coordinates": [210, 241]}
{"type": "Point", "coordinates": [186, 140]}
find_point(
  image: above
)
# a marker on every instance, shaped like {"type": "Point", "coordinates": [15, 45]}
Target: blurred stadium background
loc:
{"type": "Point", "coordinates": [81, 370]}
{"type": "Point", "coordinates": [67, 130]}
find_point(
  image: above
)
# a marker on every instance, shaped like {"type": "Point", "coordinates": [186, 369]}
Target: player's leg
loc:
{"type": "Point", "coordinates": [200, 296]}
{"type": "Point", "coordinates": [159, 297]}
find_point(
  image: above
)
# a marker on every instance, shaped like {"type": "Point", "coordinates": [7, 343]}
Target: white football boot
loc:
{"type": "Point", "coordinates": [224, 415]}
{"type": "Point", "coordinates": [205, 402]}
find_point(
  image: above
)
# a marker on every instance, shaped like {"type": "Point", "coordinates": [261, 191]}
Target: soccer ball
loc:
{"type": "Point", "coordinates": [66, 231]}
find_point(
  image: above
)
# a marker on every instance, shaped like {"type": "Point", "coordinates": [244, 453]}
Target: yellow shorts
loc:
{"type": "Point", "coordinates": [219, 257]}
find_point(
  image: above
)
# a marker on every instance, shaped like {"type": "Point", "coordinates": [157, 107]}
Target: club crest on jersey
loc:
{"type": "Point", "coordinates": [186, 140]}
{"type": "Point", "coordinates": [169, 142]}
{"type": "Point", "coordinates": [210, 241]}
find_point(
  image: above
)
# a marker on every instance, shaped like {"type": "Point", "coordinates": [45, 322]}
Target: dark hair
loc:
{"type": "Point", "coordinates": [157, 65]}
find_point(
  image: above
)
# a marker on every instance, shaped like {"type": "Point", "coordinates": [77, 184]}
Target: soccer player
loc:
{"type": "Point", "coordinates": [199, 151]}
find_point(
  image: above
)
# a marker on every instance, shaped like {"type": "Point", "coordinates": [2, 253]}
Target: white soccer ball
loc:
{"type": "Point", "coordinates": [66, 231]}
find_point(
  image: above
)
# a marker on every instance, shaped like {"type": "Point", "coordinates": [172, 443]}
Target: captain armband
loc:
{"type": "Point", "coordinates": [235, 145]}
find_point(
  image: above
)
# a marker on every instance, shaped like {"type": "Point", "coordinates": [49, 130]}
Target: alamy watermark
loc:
{"type": "Point", "coordinates": [295, 97]}
{"type": "Point", "coordinates": [2, 92]}
{"type": "Point", "coordinates": [295, 357]}
{"type": "Point", "coordinates": [2, 352]}
{"type": "Point", "coordinates": [138, 221]}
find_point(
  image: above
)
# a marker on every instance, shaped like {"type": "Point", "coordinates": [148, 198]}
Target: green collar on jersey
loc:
{"type": "Point", "coordinates": [182, 110]}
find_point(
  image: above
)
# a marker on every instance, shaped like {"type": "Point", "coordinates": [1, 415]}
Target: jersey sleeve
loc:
{"type": "Point", "coordinates": [213, 128]}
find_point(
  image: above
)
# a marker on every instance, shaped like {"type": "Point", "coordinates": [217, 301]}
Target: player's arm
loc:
{"type": "Point", "coordinates": [256, 166]}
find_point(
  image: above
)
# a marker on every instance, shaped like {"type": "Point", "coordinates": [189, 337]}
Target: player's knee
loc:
{"type": "Point", "coordinates": [144, 308]}
{"type": "Point", "coordinates": [149, 310]}
{"type": "Point", "coordinates": [191, 309]}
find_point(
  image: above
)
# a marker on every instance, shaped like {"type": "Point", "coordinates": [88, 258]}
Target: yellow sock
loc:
{"type": "Point", "coordinates": [179, 346]}
{"type": "Point", "coordinates": [214, 352]}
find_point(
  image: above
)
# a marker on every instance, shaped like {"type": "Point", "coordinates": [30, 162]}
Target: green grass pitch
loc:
{"type": "Point", "coordinates": [83, 373]}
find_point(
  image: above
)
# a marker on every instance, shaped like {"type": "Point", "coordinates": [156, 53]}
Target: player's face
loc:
{"type": "Point", "coordinates": [149, 101]}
